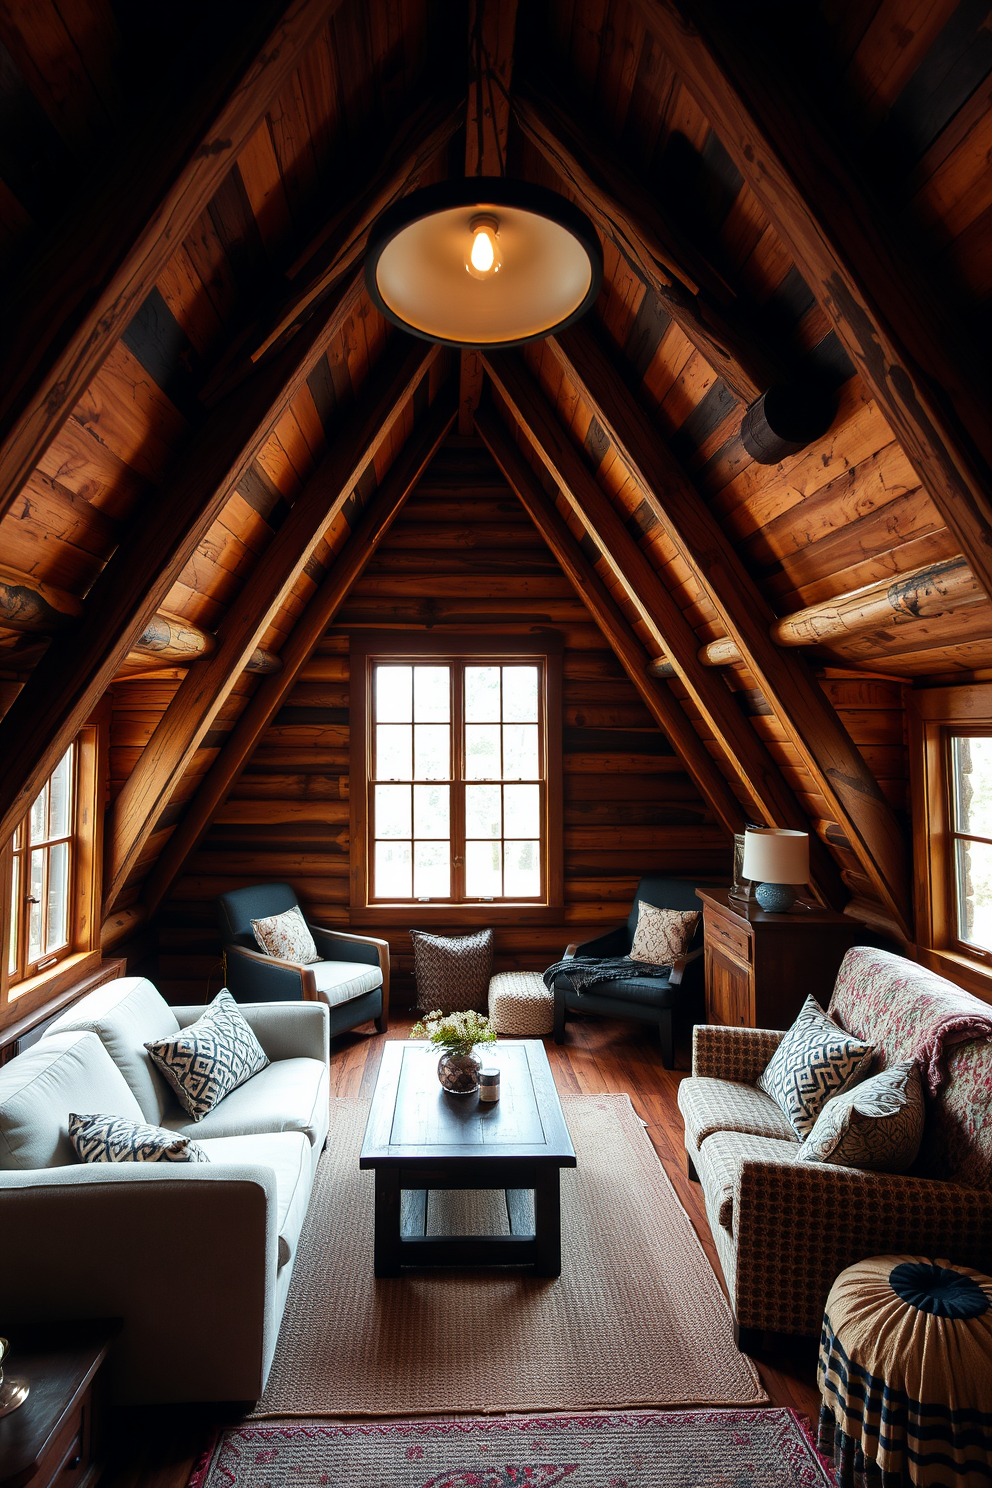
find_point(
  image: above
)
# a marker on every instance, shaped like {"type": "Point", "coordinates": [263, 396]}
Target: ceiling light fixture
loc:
{"type": "Point", "coordinates": [484, 262]}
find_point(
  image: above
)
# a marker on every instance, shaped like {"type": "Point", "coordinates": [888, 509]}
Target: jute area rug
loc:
{"type": "Point", "coordinates": [677, 1449]}
{"type": "Point", "coordinates": [636, 1318]}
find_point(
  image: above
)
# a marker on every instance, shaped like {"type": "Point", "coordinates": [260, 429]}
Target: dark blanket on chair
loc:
{"type": "Point", "coordinates": [582, 971]}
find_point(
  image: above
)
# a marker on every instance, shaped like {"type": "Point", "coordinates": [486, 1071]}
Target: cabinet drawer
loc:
{"type": "Point", "coordinates": [64, 1463]}
{"type": "Point", "coordinates": [729, 937]}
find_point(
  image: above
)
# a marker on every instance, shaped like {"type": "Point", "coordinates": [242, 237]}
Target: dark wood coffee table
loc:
{"type": "Point", "coordinates": [420, 1138]}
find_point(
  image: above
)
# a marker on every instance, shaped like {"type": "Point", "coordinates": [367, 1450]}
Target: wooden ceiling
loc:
{"type": "Point", "coordinates": [203, 417]}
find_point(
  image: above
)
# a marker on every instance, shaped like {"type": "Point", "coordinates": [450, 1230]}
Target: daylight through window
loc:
{"type": "Point", "coordinates": [41, 875]}
{"type": "Point", "coordinates": [970, 777]}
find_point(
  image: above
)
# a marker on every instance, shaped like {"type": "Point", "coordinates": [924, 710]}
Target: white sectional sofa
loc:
{"type": "Point", "coordinates": [195, 1258]}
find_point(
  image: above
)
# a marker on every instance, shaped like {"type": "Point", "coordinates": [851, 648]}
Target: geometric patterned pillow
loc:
{"type": "Point", "coordinates": [816, 1059]}
{"type": "Point", "coordinates": [287, 935]}
{"type": "Point", "coordinates": [210, 1058]}
{"type": "Point", "coordinates": [876, 1124]}
{"type": "Point", "coordinates": [117, 1139]}
{"type": "Point", "coordinates": [662, 935]}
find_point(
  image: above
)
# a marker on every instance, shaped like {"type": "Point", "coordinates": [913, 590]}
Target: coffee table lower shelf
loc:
{"type": "Point", "coordinates": [401, 1219]}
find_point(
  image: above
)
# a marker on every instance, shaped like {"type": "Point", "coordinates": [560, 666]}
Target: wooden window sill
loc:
{"type": "Point", "coordinates": [975, 976]}
{"type": "Point", "coordinates": [50, 990]}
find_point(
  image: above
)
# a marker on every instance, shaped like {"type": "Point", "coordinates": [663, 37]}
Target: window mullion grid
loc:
{"type": "Point", "coordinates": [457, 805]}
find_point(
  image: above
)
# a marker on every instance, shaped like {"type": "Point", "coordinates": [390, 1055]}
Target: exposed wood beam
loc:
{"type": "Point", "coordinates": [179, 732]}
{"type": "Point", "coordinates": [744, 755]}
{"type": "Point", "coordinates": [159, 541]}
{"type": "Point", "coordinates": [414, 145]}
{"type": "Point", "coordinates": [83, 288]}
{"type": "Point", "coordinates": [375, 522]}
{"type": "Point", "coordinates": [657, 698]}
{"type": "Point", "coordinates": [791, 690]}
{"type": "Point", "coordinates": [924, 593]}
{"type": "Point", "coordinates": [492, 33]}
{"type": "Point", "coordinates": [910, 346]}
{"type": "Point", "coordinates": [688, 288]}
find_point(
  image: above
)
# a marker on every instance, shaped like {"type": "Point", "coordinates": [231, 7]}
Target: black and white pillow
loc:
{"type": "Point", "coordinates": [210, 1058]}
{"type": "Point", "coordinates": [816, 1059]}
{"type": "Point", "coordinates": [116, 1139]}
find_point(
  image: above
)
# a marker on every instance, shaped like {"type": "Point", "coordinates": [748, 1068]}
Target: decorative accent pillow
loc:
{"type": "Point", "coordinates": [116, 1139]}
{"type": "Point", "coordinates": [452, 971]}
{"type": "Point", "coordinates": [816, 1059]}
{"type": "Point", "coordinates": [876, 1124]}
{"type": "Point", "coordinates": [287, 935]}
{"type": "Point", "coordinates": [662, 935]}
{"type": "Point", "coordinates": [210, 1058]}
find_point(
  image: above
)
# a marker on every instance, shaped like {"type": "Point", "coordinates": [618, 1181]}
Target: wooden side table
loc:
{"type": "Point", "coordinates": [761, 967]}
{"type": "Point", "coordinates": [54, 1439]}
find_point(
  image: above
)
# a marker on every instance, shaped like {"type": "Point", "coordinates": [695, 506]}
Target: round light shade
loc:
{"type": "Point", "coordinates": [776, 855]}
{"type": "Point", "coordinates": [546, 271]}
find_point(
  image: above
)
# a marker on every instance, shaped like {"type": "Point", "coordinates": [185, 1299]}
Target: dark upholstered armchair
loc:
{"type": "Point", "coordinates": [649, 999]}
{"type": "Point", "coordinates": [352, 978]}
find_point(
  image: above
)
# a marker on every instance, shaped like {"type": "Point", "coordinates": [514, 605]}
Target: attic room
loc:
{"type": "Point", "coordinates": [496, 738]}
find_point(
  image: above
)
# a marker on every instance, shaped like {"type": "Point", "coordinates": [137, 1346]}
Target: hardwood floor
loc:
{"type": "Point", "coordinates": [159, 1448]}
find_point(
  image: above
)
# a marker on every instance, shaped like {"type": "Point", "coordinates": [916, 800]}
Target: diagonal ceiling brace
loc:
{"type": "Point", "coordinates": [744, 755]}
{"type": "Point", "coordinates": [208, 683]}
{"type": "Point", "coordinates": [793, 693]}
{"type": "Point", "coordinates": [372, 527]}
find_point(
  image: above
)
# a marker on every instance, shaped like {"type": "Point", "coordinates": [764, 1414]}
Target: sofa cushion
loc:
{"type": "Point", "coordinates": [452, 971]}
{"type": "Point", "coordinates": [662, 935]}
{"type": "Point", "coordinates": [67, 1072]}
{"type": "Point", "coordinates": [125, 1014]}
{"type": "Point", "coordinates": [718, 1162]}
{"type": "Point", "coordinates": [709, 1106]}
{"type": "Point", "coordinates": [288, 1095]}
{"type": "Point", "coordinates": [288, 1155]}
{"type": "Point", "coordinates": [815, 1060]}
{"type": "Point", "coordinates": [211, 1057]}
{"type": "Point", "coordinates": [341, 981]}
{"type": "Point", "coordinates": [103, 1139]}
{"type": "Point", "coordinates": [876, 1125]}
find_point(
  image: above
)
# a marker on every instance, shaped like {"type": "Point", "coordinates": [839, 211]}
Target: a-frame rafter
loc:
{"type": "Point", "coordinates": [208, 683]}
{"type": "Point", "coordinates": [793, 693]}
{"type": "Point", "coordinates": [320, 610]}
{"type": "Point", "coordinates": [80, 291]}
{"type": "Point", "coordinates": [743, 754]}
{"type": "Point", "coordinates": [157, 545]}
{"type": "Point", "coordinates": [908, 343]}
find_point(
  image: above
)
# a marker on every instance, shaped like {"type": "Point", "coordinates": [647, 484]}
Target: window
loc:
{"type": "Point", "coordinates": [951, 773]}
{"type": "Point", "coordinates": [457, 807]}
{"type": "Point", "coordinates": [969, 775]}
{"type": "Point", "coordinates": [49, 879]}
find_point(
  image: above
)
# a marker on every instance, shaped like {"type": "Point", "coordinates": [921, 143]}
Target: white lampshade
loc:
{"type": "Point", "coordinates": [776, 855]}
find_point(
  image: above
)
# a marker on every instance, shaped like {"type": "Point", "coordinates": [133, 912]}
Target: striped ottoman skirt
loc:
{"type": "Point", "coordinates": [905, 1374]}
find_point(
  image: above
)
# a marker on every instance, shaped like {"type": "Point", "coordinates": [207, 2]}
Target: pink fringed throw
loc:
{"type": "Point", "coordinates": [953, 1028]}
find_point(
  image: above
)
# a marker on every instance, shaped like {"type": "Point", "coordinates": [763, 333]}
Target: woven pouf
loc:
{"type": "Point", "coordinates": [520, 1005]}
{"type": "Point", "coordinates": [905, 1374]}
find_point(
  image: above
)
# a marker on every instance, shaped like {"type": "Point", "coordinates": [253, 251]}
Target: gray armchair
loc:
{"type": "Point", "coordinates": [648, 999]}
{"type": "Point", "coordinates": [352, 977]}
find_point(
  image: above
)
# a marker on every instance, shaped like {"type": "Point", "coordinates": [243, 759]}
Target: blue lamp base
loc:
{"type": "Point", "coordinates": [775, 898]}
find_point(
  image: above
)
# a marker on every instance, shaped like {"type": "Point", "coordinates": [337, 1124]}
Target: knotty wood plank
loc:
{"type": "Point", "coordinates": [320, 610]}
{"type": "Point", "coordinates": [206, 687]}
{"type": "Point", "coordinates": [80, 291]}
{"type": "Point", "coordinates": [911, 348]}
{"type": "Point", "coordinates": [755, 772]}
{"type": "Point", "coordinates": [155, 548]}
{"type": "Point", "coordinates": [782, 676]}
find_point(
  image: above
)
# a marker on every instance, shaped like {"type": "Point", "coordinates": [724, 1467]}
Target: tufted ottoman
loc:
{"type": "Point", "coordinates": [520, 1005]}
{"type": "Point", "coordinates": [905, 1374]}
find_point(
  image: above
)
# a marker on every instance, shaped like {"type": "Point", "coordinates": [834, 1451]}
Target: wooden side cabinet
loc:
{"type": "Point", "coordinates": [760, 968]}
{"type": "Point", "coordinates": [54, 1439]}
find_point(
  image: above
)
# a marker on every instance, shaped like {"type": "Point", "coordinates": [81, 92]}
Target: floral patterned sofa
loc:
{"type": "Point", "coordinates": [784, 1230]}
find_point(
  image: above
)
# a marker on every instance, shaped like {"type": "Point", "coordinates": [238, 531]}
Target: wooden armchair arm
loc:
{"type": "Point", "coordinates": [570, 950]}
{"type": "Point", "coordinates": [376, 952]}
{"type": "Point", "coordinates": [679, 966]}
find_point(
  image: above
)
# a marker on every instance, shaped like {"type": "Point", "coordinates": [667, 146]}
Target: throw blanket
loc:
{"type": "Point", "coordinates": [582, 971]}
{"type": "Point", "coordinates": [953, 1028]}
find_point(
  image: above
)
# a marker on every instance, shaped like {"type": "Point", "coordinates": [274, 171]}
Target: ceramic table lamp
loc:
{"type": "Point", "coordinates": [778, 861]}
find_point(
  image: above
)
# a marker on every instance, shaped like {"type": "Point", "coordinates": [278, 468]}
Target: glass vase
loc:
{"type": "Point", "coordinates": [458, 1071]}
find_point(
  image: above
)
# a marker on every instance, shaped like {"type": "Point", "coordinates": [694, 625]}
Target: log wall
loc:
{"type": "Point", "coordinates": [463, 555]}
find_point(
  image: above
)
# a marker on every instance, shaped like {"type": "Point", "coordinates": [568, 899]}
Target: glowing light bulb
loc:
{"type": "Point", "coordinates": [484, 259]}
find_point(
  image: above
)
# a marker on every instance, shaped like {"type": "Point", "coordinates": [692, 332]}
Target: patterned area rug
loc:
{"type": "Point", "coordinates": [636, 1319]}
{"type": "Point", "coordinates": [676, 1449]}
